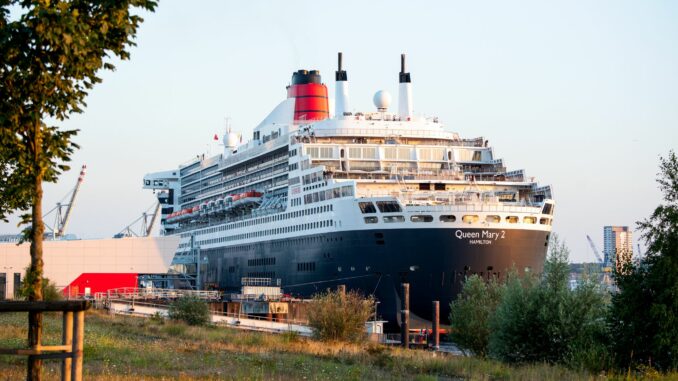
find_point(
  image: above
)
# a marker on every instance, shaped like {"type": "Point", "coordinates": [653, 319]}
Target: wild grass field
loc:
{"type": "Point", "coordinates": [130, 348]}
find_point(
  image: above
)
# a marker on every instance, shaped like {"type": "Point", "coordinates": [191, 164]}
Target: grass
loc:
{"type": "Point", "coordinates": [128, 348]}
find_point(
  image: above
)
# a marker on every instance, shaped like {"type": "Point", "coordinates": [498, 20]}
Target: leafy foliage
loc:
{"type": "Point", "coordinates": [543, 320]}
{"type": "Point", "coordinates": [51, 54]}
{"type": "Point", "coordinates": [189, 309]}
{"type": "Point", "coordinates": [334, 316]}
{"type": "Point", "coordinates": [471, 312]}
{"type": "Point", "coordinates": [644, 314]}
{"type": "Point", "coordinates": [50, 292]}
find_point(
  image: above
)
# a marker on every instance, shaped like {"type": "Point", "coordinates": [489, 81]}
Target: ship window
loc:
{"type": "Point", "coordinates": [421, 218]}
{"type": "Point", "coordinates": [476, 155]}
{"type": "Point", "coordinates": [424, 186]}
{"type": "Point", "coordinates": [493, 219]}
{"type": "Point", "coordinates": [448, 218]}
{"type": "Point", "coordinates": [371, 220]}
{"type": "Point", "coordinates": [390, 219]}
{"type": "Point", "coordinates": [388, 206]}
{"type": "Point", "coordinates": [544, 221]}
{"type": "Point", "coordinates": [530, 220]}
{"type": "Point", "coordinates": [439, 186]}
{"type": "Point", "coordinates": [512, 219]}
{"type": "Point", "coordinates": [367, 207]}
{"type": "Point", "coordinates": [470, 218]}
{"type": "Point", "coordinates": [548, 209]}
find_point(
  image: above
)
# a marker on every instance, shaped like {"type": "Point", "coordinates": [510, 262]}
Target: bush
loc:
{"type": "Point", "coordinates": [470, 314]}
{"type": "Point", "coordinates": [189, 309]}
{"type": "Point", "coordinates": [334, 316]}
{"type": "Point", "coordinates": [543, 320]}
{"type": "Point", "coordinates": [49, 289]}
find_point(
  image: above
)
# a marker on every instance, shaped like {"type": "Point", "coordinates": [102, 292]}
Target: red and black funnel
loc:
{"type": "Point", "coordinates": [310, 96]}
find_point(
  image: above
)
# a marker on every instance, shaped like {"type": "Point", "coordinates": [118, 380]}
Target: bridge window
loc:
{"type": "Point", "coordinates": [388, 207]}
{"type": "Point", "coordinates": [367, 207]}
{"type": "Point", "coordinates": [371, 220]}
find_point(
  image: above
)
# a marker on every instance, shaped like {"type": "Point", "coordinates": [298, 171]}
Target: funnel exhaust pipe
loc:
{"type": "Point", "coordinates": [404, 92]}
{"type": "Point", "coordinates": [341, 90]}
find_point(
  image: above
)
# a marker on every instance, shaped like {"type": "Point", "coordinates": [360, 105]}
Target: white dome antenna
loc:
{"type": "Point", "coordinates": [382, 99]}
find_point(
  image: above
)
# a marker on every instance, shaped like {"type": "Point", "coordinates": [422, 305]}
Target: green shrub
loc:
{"type": "Point", "coordinates": [543, 320]}
{"type": "Point", "coordinates": [334, 316]}
{"type": "Point", "coordinates": [49, 289]}
{"type": "Point", "coordinates": [470, 314]}
{"type": "Point", "coordinates": [189, 309]}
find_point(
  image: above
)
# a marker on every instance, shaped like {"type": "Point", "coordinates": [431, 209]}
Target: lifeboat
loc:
{"type": "Point", "coordinates": [194, 212]}
{"type": "Point", "coordinates": [247, 198]}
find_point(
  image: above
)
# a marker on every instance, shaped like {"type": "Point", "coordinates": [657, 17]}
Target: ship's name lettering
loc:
{"type": "Point", "coordinates": [483, 237]}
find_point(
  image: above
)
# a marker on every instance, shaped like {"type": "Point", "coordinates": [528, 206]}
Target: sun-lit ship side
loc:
{"type": "Point", "coordinates": [366, 199]}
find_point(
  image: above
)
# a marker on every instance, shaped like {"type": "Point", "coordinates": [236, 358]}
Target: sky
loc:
{"type": "Point", "coordinates": [582, 95]}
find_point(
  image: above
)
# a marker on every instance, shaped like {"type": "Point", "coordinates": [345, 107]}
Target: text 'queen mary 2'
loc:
{"type": "Point", "coordinates": [368, 199]}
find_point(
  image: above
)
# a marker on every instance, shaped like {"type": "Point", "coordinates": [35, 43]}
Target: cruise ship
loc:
{"type": "Point", "coordinates": [369, 199]}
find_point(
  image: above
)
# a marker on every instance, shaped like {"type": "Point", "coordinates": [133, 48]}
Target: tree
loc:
{"type": "Point", "coordinates": [51, 52]}
{"type": "Point", "coordinates": [471, 312]}
{"type": "Point", "coordinates": [644, 313]}
{"type": "Point", "coordinates": [337, 316]}
{"type": "Point", "coordinates": [544, 320]}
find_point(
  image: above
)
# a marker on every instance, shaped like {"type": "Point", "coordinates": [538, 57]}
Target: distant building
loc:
{"type": "Point", "coordinates": [617, 245]}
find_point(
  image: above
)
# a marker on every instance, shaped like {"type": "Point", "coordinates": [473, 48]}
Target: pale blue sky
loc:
{"type": "Point", "coordinates": [581, 94]}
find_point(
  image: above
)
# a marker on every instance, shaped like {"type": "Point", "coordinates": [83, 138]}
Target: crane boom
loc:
{"type": "Point", "coordinates": [154, 217]}
{"type": "Point", "coordinates": [595, 250]}
{"type": "Point", "coordinates": [61, 229]}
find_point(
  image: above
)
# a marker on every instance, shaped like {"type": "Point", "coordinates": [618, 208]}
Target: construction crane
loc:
{"type": "Point", "coordinates": [603, 266]}
{"type": "Point", "coordinates": [147, 221]}
{"type": "Point", "coordinates": [595, 250]}
{"type": "Point", "coordinates": [63, 217]}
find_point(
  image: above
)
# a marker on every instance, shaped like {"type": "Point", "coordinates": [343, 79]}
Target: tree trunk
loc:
{"type": "Point", "coordinates": [34, 369]}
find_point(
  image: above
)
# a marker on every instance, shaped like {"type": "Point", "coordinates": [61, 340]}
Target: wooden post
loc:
{"type": "Point", "coordinates": [34, 368]}
{"type": "Point", "coordinates": [78, 339]}
{"type": "Point", "coordinates": [405, 317]}
{"type": "Point", "coordinates": [67, 339]}
{"type": "Point", "coordinates": [436, 324]}
{"type": "Point", "coordinates": [342, 290]}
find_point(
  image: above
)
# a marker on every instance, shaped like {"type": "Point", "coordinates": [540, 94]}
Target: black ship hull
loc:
{"type": "Point", "coordinates": [433, 261]}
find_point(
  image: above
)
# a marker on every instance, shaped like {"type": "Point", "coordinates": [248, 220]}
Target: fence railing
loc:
{"type": "Point", "coordinates": [155, 293]}
{"type": "Point", "coordinates": [71, 349]}
{"type": "Point", "coordinates": [237, 315]}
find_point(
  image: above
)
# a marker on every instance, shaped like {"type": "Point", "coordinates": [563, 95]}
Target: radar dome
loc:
{"type": "Point", "coordinates": [231, 140]}
{"type": "Point", "coordinates": [382, 99]}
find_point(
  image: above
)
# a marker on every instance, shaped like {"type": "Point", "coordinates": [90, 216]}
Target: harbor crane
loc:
{"type": "Point", "coordinates": [595, 250]}
{"type": "Point", "coordinates": [147, 221]}
{"type": "Point", "coordinates": [62, 217]}
{"type": "Point", "coordinates": [603, 266]}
